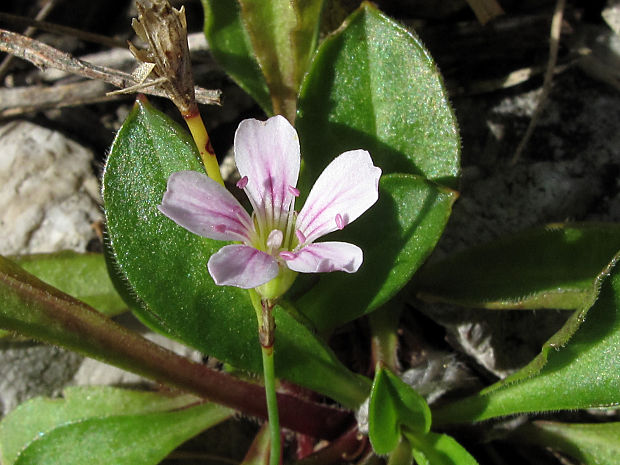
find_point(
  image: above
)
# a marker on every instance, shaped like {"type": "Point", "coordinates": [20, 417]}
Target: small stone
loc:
{"type": "Point", "coordinates": [48, 201]}
{"type": "Point", "coordinates": [48, 192]}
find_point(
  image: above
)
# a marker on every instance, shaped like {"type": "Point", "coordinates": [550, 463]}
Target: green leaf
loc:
{"type": "Point", "coordinates": [41, 415]}
{"type": "Point", "coordinates": [283, 34]}
{"type": "Point", "coordinates": [438, 449]}
{"type": "Point", "coordinates": [397, 234]}
{"type": "Point", "coordinates": [591, 444]}
{"type": "Point", "coordinates": [372, 85]}
{"type": "Point", "coordinates": [394, 405]}
{"type": "Point", "coordinates": [231, 47]}
{"type": "Point", "coordinates": [579, 367]}
{"type": "Point", "coordinates": [81, 275]}
{"type": "Point", "coordinates": [165, 265]}
{"type": "Point", "coordinates": [102, 425]}
{"type": "Point", "coordinates": [545, 267]}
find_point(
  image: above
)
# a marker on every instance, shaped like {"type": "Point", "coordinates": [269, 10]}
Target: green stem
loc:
{"type": "Point", "coordinates": [272, 405]}
{"type": "Point", "coordinates": [384, 341]}
{"type": "Point", "coordinates": [266, 332]}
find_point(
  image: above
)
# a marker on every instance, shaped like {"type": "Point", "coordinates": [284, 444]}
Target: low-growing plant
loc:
{"type": "Point", "coordinates": [258, 288]}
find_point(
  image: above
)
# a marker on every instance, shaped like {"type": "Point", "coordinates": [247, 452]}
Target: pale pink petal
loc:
{"type": "Point", "coordinates": [345, 189]}
{"type": "Point", "coordinates": [205, 207]}
{"type": "Point", "coordinates": [267, 152]}
{"type": "Point", "coordinates": [324, 257]}
{"type": "Point", "coordinates": [242, 266]}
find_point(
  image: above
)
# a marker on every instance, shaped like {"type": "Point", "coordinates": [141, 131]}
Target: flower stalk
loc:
{"type": "Point", "coordinates": [203, 142]}
{"type": "Point", "coordinates": [276, 241]}
{"type": "Point", "coordinates": [266, 334]}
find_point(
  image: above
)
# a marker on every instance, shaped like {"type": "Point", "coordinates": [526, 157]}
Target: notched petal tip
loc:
{"type": "Point", "coordinates": [267, 153]}
{"type": "Point", "coordinates": [345, 189]}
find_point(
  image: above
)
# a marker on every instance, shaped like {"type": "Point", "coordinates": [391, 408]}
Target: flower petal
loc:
{"type": "Point", "coordinates": [242, 266]}
{"type": "Point", "coordinates": [205, 207]}
{"type": "Point", "coordinates": [267, 152]}
{"type": "Point", "coordinates": [324, 257]}
{"type": "Point", "coordinates": [344, 190]}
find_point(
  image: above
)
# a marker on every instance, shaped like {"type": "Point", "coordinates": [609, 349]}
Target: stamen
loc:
{"type": "Point", "coordinates": [242, 182]}
{"type": "Point", "coordinates": [290, 224]}
{"type": "Point", "coordinates": [300, 236]}
{"type": "Point", "coordinates": [221, 228]}
{"type": "Point", "coordinates": [286, 255]}
{"type": "Point", "coordinates": [339, 221]}
{"type": "Point", "coordinates": [274, 241]}
{"type": "Point", "coordinates": [293, 191]}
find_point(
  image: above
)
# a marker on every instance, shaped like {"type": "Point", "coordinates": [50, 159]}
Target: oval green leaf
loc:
{"type": "Point", "coordinates": [165, 265]}
{"type": "Point", "coordinates": [283, 34]}
{"type": "Point", "coordinates": [231, 47]}
{"type": "Point", "coordinates": [372, 85]}
{"type": "Point", "coordinates": [143, 434]}
{"type": "Point", "coordinates": [81, 275]}
{"type": "Point", "coordinates": [394, 405]}
{"type": "Point", "coordinates": [396, 235]}
{"type": "Point", "coordinates": [39, 416]}
{"type": "Point", "coordinates": [548, 267]}
{"type": "Point", "coordinates": [579, 367]}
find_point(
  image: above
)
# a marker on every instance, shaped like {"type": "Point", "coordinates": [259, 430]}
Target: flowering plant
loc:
{"type": "Point", "coordinates": [367, 109]}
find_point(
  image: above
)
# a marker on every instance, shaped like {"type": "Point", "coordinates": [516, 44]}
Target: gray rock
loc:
{"type": "Point", "coordinates": [48, 192]}
{"type": "Point", "coordinates": [48, 201]}
{"type": "Point", "coordinates": [28, 370]}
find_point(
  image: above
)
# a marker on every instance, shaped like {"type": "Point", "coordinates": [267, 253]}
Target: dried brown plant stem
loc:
{"type": "Point", "coordinates": [554, 45]}
{"type": "Point", "coordinates": [17, 101]}
{"type": "Point", "coordinates": [42, 14]}
{"type": "Point", "coordinates": [44, 56]}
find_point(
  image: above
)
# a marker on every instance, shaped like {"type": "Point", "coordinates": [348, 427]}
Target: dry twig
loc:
{"type": "Point", "coordinates": [44, 56]}
{"type": "Point", "coordinates": [17, 101]}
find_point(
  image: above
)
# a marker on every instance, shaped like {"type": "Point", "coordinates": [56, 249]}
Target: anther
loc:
{"type": "Point", "coordinates": [286, 255]}
{"type": "Point", "coordinates": [274, 240]}
{"type": "Point", "coordinates": [339, 221]}
{"type": "Point", "coordinates": [293, 191]}
{"type": "Point", "coordinates": [242, 182]}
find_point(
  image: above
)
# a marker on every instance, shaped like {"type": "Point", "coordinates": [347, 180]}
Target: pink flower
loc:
{"type": "Point", "coordinates": [275, 241]}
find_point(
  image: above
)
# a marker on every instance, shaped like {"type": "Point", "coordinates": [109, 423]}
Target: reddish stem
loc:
{"type": "Point", "coordinates": [49, 315]}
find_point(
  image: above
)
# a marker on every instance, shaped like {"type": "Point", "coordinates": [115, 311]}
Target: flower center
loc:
{"type": "Point", "coordinates": [273, 225]}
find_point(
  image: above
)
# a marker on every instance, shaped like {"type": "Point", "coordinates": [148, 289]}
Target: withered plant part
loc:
{"type": "Point", "coordinates": [166, 59]}
{"type": "Point", "coordinates": [164, 29]}
{"type": "Point", "coordinates": [44, 56]}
